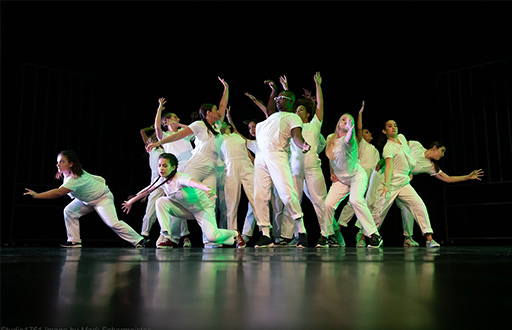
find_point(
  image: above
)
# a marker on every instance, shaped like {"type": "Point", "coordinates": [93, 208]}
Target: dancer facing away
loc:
{"type": "Point", "coordinates": [398, 166]}
{"type": "Point", "coordinates": [351, 179]}
{"type": "Point", "coordinates": [272, 165]}
{"type": "Point", "coordinates": [89, 193]}
{"type": "Point", "coordinates": [185, 198]}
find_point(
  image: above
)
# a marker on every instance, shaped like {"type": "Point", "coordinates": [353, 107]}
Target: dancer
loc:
{"type": "Point", "coordinates": [239, 171]}
{"type": "Point", "coordinates": [272, 166]}
{"type": "Point", "coordinates": [368, 158]}
{"type": "Point", "coordinates": [351, 179]}
{"type": "Point", "coordinates": [396, 185]}
{"type": "Point", "coordinates": [427, 162]}
{"type": "Point", "coordinates": [202, 166]}
{"type": "Point", "coordinates": [185, 198]}
{"type": "Point", "coordinates": [89, 193]}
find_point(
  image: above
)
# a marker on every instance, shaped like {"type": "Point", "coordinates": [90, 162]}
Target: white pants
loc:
{"type": "Point", "coordinates": [274, 168]}
{"type": "Point", "coordinates": [237, 173]}
{"type": "Point", "coordinates": [167, 209]}
{"type": "Point", "coordinates": [410, 199]}
{"type": "Point", "coordinates": [348, 211]}
{"type": "Point", "coordinates": [105, 208]}
{"type": "Point", "coordinates": [150, 216]}
{"type": "Point", "coordinates": [356, 187]}
{"type": "Point", "coordinates": [407, 219]}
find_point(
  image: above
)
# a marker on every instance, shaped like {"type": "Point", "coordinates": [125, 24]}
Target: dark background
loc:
{"type": "Point", "coordinates": [87, 76]}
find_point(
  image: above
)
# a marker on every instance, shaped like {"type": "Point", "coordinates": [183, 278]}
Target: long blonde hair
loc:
{"type": "Point", "coordinates": [338, 133]}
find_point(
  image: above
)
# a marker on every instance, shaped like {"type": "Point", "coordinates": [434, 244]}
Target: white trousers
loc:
{"type": "Point", "coordinates": [167, 209]}
{"type": "Point", "coordinates": [410, 199]}
{"type": "Point", "coordinates": [105, 208]}
{"type": "Point", "coordinates": [339, 190]}
{"type": "Point", "coordinates": [150, 216]}
{"type": "Point", "coordinates": [238, 173]}
{"type": "Point", "coordinates": [274, 168]}
{"type": "Point", "coordinates": [348, 211]}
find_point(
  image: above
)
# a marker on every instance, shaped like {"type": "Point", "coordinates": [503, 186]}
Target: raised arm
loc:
{"type": "Point", "coordinates": [319, 97]}
{"type": "Point", "coordinates": [230, 120]}
{"type": "Point", "coordinates": [284, 82]}
{"type": "Point", "coordinates": [258, 103]}
{"type": "Point", "coordinates": [359, 131]}
{"type": "Point", "coordinates": [349, 138]}
{"type": "Point", "coordinates": [143, 133]}
{"type": "Point", "coordinates": [271, 106]}
{"type": "Point", "coordinates": [158, 118]}
{"type": "Point", "coordinates": [224, 100]}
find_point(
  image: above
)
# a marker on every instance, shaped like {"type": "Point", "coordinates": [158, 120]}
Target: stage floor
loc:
{"type": "Point", "coordinates": [276, 288]}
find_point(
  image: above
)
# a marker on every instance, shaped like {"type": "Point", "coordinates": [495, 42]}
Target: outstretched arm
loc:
{"type": "Point", "coordinates": [50, 194]}
{"type": "Point", "coordinates": [171, 138]}
{"type": "Point", "coordinates": [319, 97]}
{"type": "Point", "coordinates": [127, 205]}
{"type": "Point", "coordinates": [359, 132]}
{"type": "Point", "coordinates": [475, 175]}
{"type": "Point", "coordinates": [158, 118]}
{"type": "Point", "coordinates": [224, 100]}
{"type": "Point", "coordinates": [209, 191]}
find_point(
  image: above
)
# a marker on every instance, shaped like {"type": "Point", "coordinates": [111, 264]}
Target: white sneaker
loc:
{"type": "Point", "coordinates": [187, 243]}
{"type": "Point", "coordinates": [409, 242]}
{"type": "Point", "coordinates": [432, 244]}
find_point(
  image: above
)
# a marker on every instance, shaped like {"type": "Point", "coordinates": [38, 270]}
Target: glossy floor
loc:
{"type": "Point", "coordinates": [343, 288]}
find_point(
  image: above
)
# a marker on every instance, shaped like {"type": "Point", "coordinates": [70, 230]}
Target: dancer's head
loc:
{"type": "Point", "coordinates": [170, 119]}
{"type": "Point", "coordinates": [167, 165]}
{"type": "Point", "coordinates": [68, 164]}
{"type": "Point", "coordinates": [436, 150]}
{"type": "Point", "coordinates": [342, 127]}
{"type": "Point", "coordinates": [209, 114]}
{"type": "Point", "coordinates": [285, 101]}
{"type": "Point", "coordinates": [304, 108]}
{"type": "Point", "coordinates": [251, 125]}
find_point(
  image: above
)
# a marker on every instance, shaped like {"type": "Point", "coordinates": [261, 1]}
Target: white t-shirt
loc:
{"type": "Point", "coordinates": [233, 147]}
{"type": "Point", "coordinates": [311, 134]}
{"type": "Point", "coordinates": [253, 146]}
{"type": "Point", "coordinates": [403, 161]}
{"type": "Point", "coordinates": [85, 188]}
{"type": "Point", "coordinates": [346, 160]}
{"type": "Point", "coordinates": [182, 148]}
{"type": "Point", "coordinates": [190, 198]}
{"type": "Point", "coordinates": [368, 156]}
{"type": "Point", "coordinates": [274, 133]}
{"type": "Point", "coordinates": [423, 165]}
{"type": "Point", "coordinates": [207, 144]}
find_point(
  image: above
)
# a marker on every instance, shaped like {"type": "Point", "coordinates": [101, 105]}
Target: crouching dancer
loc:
{"type": "Point", "coordinates": [185, 199]}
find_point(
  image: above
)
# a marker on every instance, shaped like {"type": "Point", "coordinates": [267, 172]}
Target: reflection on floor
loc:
{"type": "Point", "coordinates": [226, 288]}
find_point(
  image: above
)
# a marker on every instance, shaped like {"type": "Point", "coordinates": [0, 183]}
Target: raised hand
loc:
{"type": "Point", "coordinates": [362, 108]}
{"type": "Point", "coordinates": [318, 78]}
{"type": "Point", "coordinates": [284, 82]}
{"type": "Point", "coordinates": [223, 82]}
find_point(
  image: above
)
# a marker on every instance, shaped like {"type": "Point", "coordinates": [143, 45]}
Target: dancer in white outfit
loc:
{"type": "Point", "coordinates": [350, 178]}
{"type": "Point", "coordinates": [185, 198]}
{"type": "Point", "coordinates": [89, 193]}
{"type": "Point", "coordinates": [202, 166]}
{"type": "Point", "coordinates": [239, 171]}
{"type": "Point", "coordinates": [368, 159]}
{"type": "Point", "coordinates": [427, 162]}
{"type": "Point", "coordinates": [397, 176]}
{"type": "Point", "coordinates": [272, 165]}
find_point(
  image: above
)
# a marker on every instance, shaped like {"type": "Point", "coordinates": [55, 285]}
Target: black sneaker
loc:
{"type": "Point", "coordinates": [264, 241]}
{"type": "Point", "coordinates": [71, 245]}
{"type": "Point", "coordinates": [142, 243]}
{"type": "Point", "coordinates": [374, 241]}
{"type": "Point", "coordinates": [322, 242]}
{"type": "Point", "coordinates": [282, 242]}
{"type": "Point", "coordinates": [332, 241]}
{"type": "Point", "coordinates": [303, 240]}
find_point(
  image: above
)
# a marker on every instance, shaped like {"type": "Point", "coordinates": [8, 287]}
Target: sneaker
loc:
{"type": "Point", "coordinates": [211, 245]}
{"type": "Point", "coordinates": [142, 243]}
{"type": "Point", "coordinates": [374, 241]}
{"type": "Point", "coordinates": [71, 245]}
{"type": "Point", "coordinates": [282, 242]}
{"type": "Point", "coordinates": [409, 242]}
{"type": "Point", "coordinates": [432, 244]}
{"type": "Point", "coordinates": [239, 241]}
{"type": "Point", "coordinates": [303, 240]}
{"type": "Point", "coordinates": [294, 241]}
{"type": "Point", "coordinates": [339, 237]}
{"type": "Point", "coordinates": [186, 242]}
{"type": "Point", "coordinates": [165, 244]}
{"type": "Point", "coordinates": [359, 241]}
{"type": "Point", "coordinates": [322, 242]}
{"type": "Point", "coordinates": [264, 241]}
{"type": "Point", "coordinates": [333, 242]}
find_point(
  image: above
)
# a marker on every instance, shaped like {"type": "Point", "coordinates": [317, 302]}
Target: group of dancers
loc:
{"type": "Point", "coordinates": [198, 170]}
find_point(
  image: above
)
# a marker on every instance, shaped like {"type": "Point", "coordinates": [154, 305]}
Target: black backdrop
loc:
{"type": "Point", "coordinates": [87, 76]}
